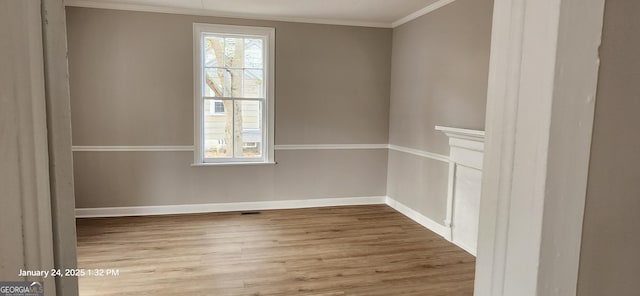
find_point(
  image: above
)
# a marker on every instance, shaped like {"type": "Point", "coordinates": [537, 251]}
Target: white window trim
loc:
{"type": "Point", "coordinates": [269, 105]}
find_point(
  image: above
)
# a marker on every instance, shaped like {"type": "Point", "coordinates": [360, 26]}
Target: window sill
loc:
{"type": "Point", "coordinates": [232, 164]}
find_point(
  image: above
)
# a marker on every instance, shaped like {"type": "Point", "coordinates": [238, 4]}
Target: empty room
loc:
{"type": "Point", "coordinates": [334, 147]}
{"type": "Point", "coordinates": [267, 156]}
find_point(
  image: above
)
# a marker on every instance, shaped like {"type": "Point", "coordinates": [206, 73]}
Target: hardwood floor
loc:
{"type": "Point", "coordinates": [360, 250]}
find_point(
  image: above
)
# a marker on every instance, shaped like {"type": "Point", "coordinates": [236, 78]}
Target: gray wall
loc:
{"type": "Point", "coordinates": [131, 84]}
{"type": "Point", "coordinates": [440, 65]}
{"type": "Point", "coordinates": [165, 178]}
{"type": "Point", "coordinates": [609, 263]}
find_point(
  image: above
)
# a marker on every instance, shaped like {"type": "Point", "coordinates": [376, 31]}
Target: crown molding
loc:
{"type": "Point", "coordinates": [214, 13]}
{"type": "Point", "coordinates": [426, 10]}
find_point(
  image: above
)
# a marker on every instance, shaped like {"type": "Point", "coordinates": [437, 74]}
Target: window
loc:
{"type": "Point", "coordinates": [216, 108]}
{"type": "Point", "coordinates": [233, 94]}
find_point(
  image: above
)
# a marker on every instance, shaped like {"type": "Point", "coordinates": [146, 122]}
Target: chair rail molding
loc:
{"type": "Point", "coordinates": [286, 147]}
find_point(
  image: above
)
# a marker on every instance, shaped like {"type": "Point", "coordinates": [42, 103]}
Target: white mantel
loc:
{"type": "Point", "coordinates": [467, 145]}
{"type": "Point", "coordinates": [465, 179]}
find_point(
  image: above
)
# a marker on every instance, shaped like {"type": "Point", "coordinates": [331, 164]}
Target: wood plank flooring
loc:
{"type": "Point", "coordinates": [360, 250]}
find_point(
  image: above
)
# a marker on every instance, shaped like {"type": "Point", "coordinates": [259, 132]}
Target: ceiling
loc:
{"type": "Point", "coordinates": [373, 13]}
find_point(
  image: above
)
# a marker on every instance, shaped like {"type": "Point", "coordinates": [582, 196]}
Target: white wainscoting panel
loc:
{"type": "Point", "coordinates": [466, 208]}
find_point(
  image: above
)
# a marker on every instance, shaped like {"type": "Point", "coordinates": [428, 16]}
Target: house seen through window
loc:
{"type": "Point", "coordinates": [233, 67]}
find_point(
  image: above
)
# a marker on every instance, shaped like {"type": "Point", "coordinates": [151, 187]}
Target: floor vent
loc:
{"type": "Point", "coordinates": [251, 213]}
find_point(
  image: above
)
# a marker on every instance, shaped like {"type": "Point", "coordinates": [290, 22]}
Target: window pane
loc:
{"type": "Point", "coordinates": [218, 107]}
{"type": "Point", "coordinates": [214, 82]}
{"type": "Point", "coordinates": [234, 52]}
{"type": "Point", "coordinates": [253, 53]}
{"type": "Point", "coordinates": [213, 50]}
{"type": "Point", "coordinates": [233, 83]}
{"type": "Point", "coordinates": [248, 129]}
{"type": "Point", "coordinates": [213, 107]}
{"type": "Point", "coordinates": [253, 84]}
{"type": "Point", "coordinates": [218, 130]}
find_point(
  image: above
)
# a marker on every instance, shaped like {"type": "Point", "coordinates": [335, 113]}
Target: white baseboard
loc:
{"type": "Point", "coordinates": [434, 226]}
{"type": "Point", "coordinates": [264, 205]}
{"type": "Point", "coordinates": [437, 228]}
{"type": "Point", "coordinates": [227, 207]}
{"type": "Point", "coordinates": [464, 247]}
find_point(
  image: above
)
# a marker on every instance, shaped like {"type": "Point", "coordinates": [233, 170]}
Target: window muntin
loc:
{"type": "Point", "coordinates": [233, 69]}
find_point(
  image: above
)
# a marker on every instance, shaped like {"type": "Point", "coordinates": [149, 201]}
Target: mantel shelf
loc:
{"type": "Point", "coordinates": [464, 143]}
{"type": "Point", "coordinates": [462, 133]}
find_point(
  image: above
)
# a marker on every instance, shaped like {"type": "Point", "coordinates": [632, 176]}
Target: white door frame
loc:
{"type": "Point", "coordinates": [37, 208]}
{"type": "Point", "coordinates": [58, 101]}
{"type": "Point", "coordinates": [25, 205]}
{"type": "Point", "coordinates": [541, 97]}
